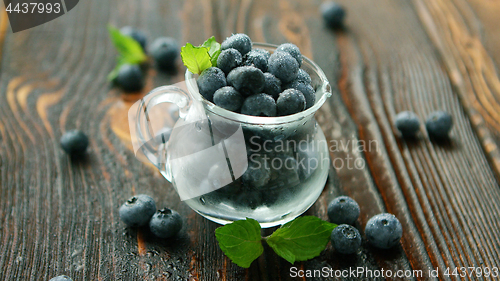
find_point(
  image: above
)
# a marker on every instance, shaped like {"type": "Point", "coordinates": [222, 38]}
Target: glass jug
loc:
{"type": "Point", "coordinates": [228, 166]}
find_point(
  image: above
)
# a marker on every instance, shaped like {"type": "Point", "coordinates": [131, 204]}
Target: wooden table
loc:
{"type": "Point", "coordinates": [61, 217]}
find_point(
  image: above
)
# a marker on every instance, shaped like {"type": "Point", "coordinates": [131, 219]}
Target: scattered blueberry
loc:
{"type": "Point", "coordinates": [228, 98]}
{"type": "Point", "coordinates": [346, 239]}
{"type": "Point", "coordinates": [272, 86]}
{"type": "Point", "coordinates": [130, 78]}
{"type": "Point", "coordinates": [439, 124]}
{"type": "Point", "coordinates": [383, 231]}
{"type": "Point", "coordinates": [306, 89]}
{"type": "Point", "coordinates": [136, 34]}
{"type": "Point", "coordinates": [262, 51]}
{"type": "Point", "coordinates": [210, 80]}
{"type": "Point", "coordinates": [61, 278]}
{"type": "Point", "coordinates": [290, 101]}
{"type": "Point", "coordinates": [303, 76]}
{"type": "Point", "coordinates": [258, 172]}
{"type": "Point", "coordinates": [333, 14]}
{"type": "Point", "coordinates": [407, 123]}
{"type": "Point", "coordinates": [74, 142]}
{"type": "Point", "coordinates": [137, 211]}
{"type": "Point", "coordinates": [292, 50]}
{"type": "Point", "coordinates": [257, 59]}
{"type": "Point", "coordinates": [259, 105]}
{"type": "Point", "coordinates": [343, 210]}
{"type": "Point", "coordinates": [247, 80]}
{"type": "Point", "coordinates": [239, 41]}
{"type": "Point", "coordinates": [165, 223]}
{"type": "Point", "coordinates": [283, 66]}
{"type": "Point", "coordinates": [165, 51]}
{"type": "Point", "coordinates": [229, 59]}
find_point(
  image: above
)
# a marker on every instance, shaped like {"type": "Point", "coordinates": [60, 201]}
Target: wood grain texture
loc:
{"type": "Point", "coordinates": [60, 216]}
{"type": "Point", "coordinates": [457, 33]}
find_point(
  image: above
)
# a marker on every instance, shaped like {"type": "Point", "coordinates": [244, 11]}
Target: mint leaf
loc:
{"type": "Point", "coordinates": [214, 49]}
{"type": "Point", "coordinates": [301, 239]}
{"type": "Point", "coordinates": [241, 241]}
{"type": "Point", "coordinates": [196, 59]}
{"type": "Point", "coordinates": [129, 50]}
{"type": "Point", "coordinates": [214, 58]}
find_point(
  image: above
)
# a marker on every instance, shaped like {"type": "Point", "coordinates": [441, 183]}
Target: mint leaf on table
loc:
{"type": "Point", "coordinates": [214, 49]}
{"type": "Point", "coordinates": [301, 239]}
{"type": "Point", "coordinates": [196, 59]}
{"type": "Point", "coordinates": [241, 241]}
{"type": "Point", "coordinates": [129, 50]}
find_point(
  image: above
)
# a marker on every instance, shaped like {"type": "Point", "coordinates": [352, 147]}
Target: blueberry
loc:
{"type": "Point", "coordinates": [439, 124]}
{"type": "Point", "coordinates": [272, 86]}
{"type": "Point", "coordinates": [383, 231]}
{"type": "Point", "coordinates": [240, 42]}
{"type": "Point", "coordinates": [306, 89]}
{"type": "Point", "coordinates": [165, 51]}
{"type": "Point", "coordinates": [346, 239]}
{"type": "Point", "coordinates": [333, 14]}
{"type": "Point", "coordinates": [61, 278]}
{"type": "Point", "coordinates": [257, 59]}
{"type": "Point", "coordinates": [290, 101]}
{"type": "Point", "coordinates": [228, 98]}
{"type": "Point", "coordinates": [283, 66]}
{"type": "Point", "coordinates": [130, 78]}
{"type": "Point", "coordinates": [262, 51]}
{"type": "Point", "coordinates": [247, 80]}
{"type": "Point", "coordinates": [74, 142]}
{"type": "Point", "coordinates": [137, 211]}
{"type": "Point", "coordinates": [343, 210]}
{"type": "Point", "coordinates": [136, 34]}
{"type": "Point", "coordinates": [303, 76]}
{"type": "Point", "coordinates": [292, 50]}
{"type": "Point", "coordinates": [258, 172]}
{"type": "Point", "coordinates": [229, 59]}
{"type": "Point", "coordinates": [210, 80]}
{"type": "Point", "coordinates": [165, 223]}
{"type": "Point", "coordinates": [259, 105]}
{"type": "Point", "coordinates": [407, 123]}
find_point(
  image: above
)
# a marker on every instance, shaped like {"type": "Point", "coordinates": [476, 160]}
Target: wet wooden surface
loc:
{"type": "Point", "coordinates": [59, 216]}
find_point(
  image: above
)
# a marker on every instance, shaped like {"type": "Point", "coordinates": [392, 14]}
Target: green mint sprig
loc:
{"type": "Point", "coordinates": [299, 240]}
{"type": "Point", "coordinates": [199, 58]}
{"type": "Point", "coordinates": [129, 51]}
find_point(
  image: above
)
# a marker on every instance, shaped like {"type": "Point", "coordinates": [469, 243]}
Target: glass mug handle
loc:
{"type": "Point", "coordinates": [145, 138]}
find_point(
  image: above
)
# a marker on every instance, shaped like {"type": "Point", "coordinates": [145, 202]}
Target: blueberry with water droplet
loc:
{"type": "Point", "coordinates": [383, 231]}
{"type": "Point", "coordinates": [137, 211]}
{"type": "Point", "coordinates": [346, 239]}
{"type": "Point", "coordinates": [165, 223]}
{"type": "Point", "coordinates": [74, 142]}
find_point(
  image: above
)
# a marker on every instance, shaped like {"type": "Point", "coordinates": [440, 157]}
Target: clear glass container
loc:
{"type": "Point", "coordinates": [228, 166]}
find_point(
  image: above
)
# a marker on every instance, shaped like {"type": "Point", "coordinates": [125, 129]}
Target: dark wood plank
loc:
{"type": "Point", "coordinates": [402, 72]}
{"type": "Point", "coordinates": [61, 217]}
{"type": "Point", "coordinates": [462, 42]}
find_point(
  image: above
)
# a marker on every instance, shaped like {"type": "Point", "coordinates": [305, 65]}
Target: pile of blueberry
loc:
{"type": "Point", "coordinates": [438, 124]}
{"type": "Point", "coordinates": [164, 51]}
{"type": "Point", "coordinates": [382, 231]}
{"type": "Point", "coordinates": [140, 210]}
{"type": "Point", "coordinates": [256, 82]}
